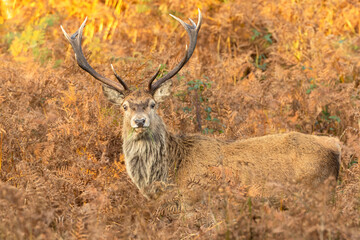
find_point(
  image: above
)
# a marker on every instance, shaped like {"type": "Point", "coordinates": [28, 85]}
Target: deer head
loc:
{"type": "Point", "coordinates": [139, 106]}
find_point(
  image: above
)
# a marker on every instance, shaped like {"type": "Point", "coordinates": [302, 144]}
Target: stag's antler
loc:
{"type": "Point", "coordinates": [75, 41]}
{"type": "Point", "coordinates": [192, 31]}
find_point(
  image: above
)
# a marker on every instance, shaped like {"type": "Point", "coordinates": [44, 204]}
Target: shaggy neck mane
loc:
{"type": "Point", "coordinates": [150, 156]}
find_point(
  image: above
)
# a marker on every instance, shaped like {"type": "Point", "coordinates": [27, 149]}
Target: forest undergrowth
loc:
{"type": "Point", "coordinates": [260, 67]}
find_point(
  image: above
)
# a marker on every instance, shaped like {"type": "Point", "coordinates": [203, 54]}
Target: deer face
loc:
{"type": "Point", "coordinates": [139, 107]}
{"type": "Point", "coordinates": [139, 111]}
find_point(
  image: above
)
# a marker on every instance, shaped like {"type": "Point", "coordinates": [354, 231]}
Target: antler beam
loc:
{"type": "Point", "coordinates": [75, 41]}
{"type": "Point", "coordinates": [192, 31]}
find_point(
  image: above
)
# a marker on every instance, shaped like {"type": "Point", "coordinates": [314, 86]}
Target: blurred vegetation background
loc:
{"type": "Point", "coordinates": [260, 67]}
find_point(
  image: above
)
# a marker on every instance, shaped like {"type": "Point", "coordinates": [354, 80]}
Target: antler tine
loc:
{"type": "Point", "coordinates": [192, 31]}
{"type": "Point", "coordinates": [119, 78]}
{"type": "Point", "coordinates": [75, 41]}
{"type": "Point", "coordinates": [154, 76]}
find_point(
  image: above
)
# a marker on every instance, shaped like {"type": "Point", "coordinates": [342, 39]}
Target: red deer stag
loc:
{"type": "Point", "coordinates": [153, 154]}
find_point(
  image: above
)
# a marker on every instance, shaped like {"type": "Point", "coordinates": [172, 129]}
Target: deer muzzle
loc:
{"type": "Point", "coordinates": [139, 122]}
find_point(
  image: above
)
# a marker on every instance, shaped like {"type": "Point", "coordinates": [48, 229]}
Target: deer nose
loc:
{"type": "Point", "coordinates": [140, 122]}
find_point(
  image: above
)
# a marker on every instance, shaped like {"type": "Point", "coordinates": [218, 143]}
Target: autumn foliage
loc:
{"type": "Point", "coordinates": [260, 67]}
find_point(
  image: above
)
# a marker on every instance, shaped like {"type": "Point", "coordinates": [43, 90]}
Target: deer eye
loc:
{"type": "Point", "coordinates": [152, 105]}
{"type": "Point", "coordinates": [125, 107]}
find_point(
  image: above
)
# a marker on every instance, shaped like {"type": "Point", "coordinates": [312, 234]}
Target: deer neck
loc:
{"type": "Point", "coordinates": [148, 156]}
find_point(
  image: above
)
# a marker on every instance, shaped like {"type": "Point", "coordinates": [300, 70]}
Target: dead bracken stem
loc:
{"type": "Point", "coordinates": [1, 147]}
{"type": "Point", "coordinates": [198, 111]}
{"type": "Point", "coordinates": [354, 130]}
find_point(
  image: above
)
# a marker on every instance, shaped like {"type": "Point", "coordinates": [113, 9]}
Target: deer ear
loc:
{"type": "Point", "coordinates": [112, 95]}
{"type": "Point", "coordinates": [162, 92]}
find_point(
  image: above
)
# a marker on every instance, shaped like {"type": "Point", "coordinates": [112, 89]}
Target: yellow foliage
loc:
{"type": "Point", "coordinates": [70, 96]}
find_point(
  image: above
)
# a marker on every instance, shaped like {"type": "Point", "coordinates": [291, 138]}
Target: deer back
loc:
{"type": "Point", "coordinates": [280, 158]}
